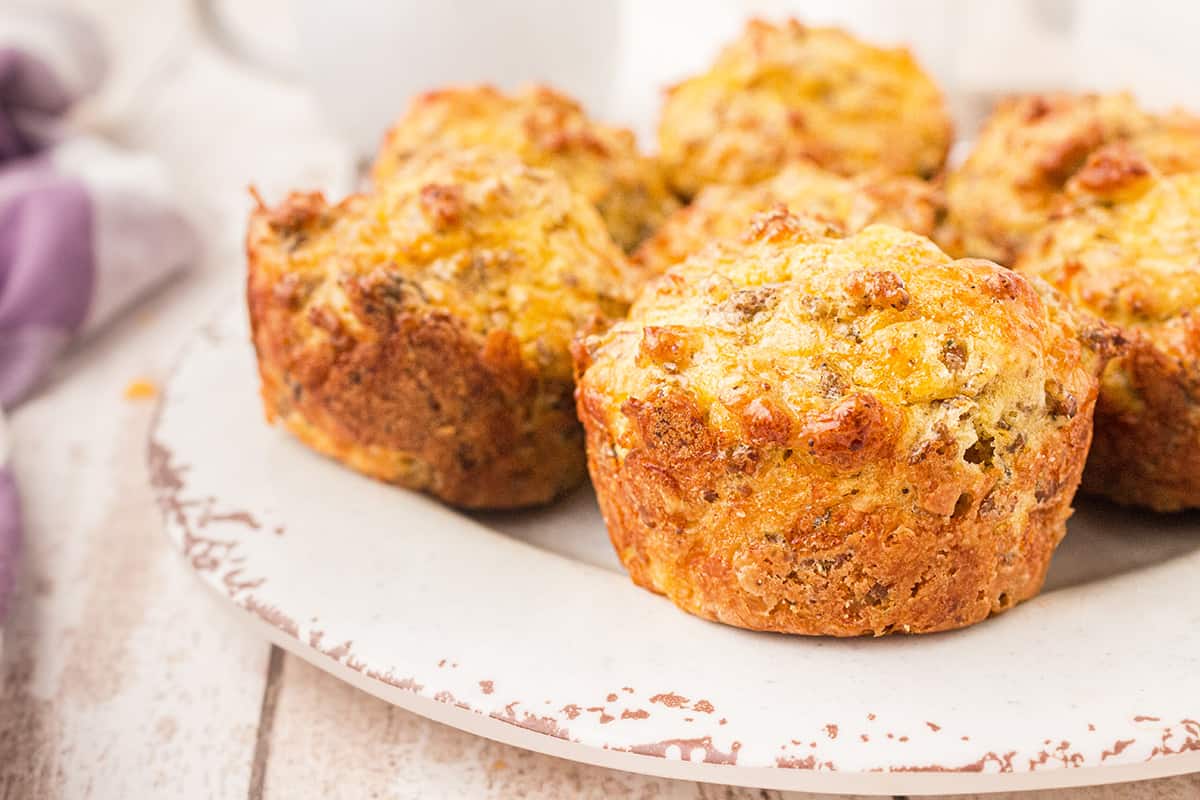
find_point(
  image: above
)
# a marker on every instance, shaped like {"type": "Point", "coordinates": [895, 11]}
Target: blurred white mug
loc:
{"type": "Point", "coordinates": [364, 59]}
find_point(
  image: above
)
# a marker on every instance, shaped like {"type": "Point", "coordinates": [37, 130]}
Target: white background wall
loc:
{"type": "Point", "coordinates": [364, 58]}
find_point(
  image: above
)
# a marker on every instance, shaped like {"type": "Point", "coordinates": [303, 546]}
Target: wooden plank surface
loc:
{"type": "Point", "coordinates": [113, 669]}
{"type": "Point", "coordinates": [122, 678]}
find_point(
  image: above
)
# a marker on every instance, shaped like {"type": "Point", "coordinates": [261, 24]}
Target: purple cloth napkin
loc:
{"type": "Point", "coordinates": [85, 229]}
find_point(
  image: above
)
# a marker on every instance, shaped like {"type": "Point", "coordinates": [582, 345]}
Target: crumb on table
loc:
{"type": "Point", "coordinates": [140, 389]}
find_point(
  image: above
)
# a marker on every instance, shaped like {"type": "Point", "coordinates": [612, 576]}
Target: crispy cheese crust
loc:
{"type": "Point", "coordinates": [1013, 181]}
{"type": "Point", "coordinates": [843, 436]}
{"type": "Point", "coordinates": [788, 91]}
{"type": "Point", "coordinates": [546, 129]}
{"type": "Point", "coordinates": [723, 211]}
{"type": "Point", "coordinates": [1127, 250]}
{"type": "Point", "coordinates": [420, 333]}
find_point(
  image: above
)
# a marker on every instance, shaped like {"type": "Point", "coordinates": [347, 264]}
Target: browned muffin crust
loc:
{"type": "Point", "coordinates": [1013, 181]}
{"type": "Point", "coordinates": [781, 92]}
{"type": "Point", "coordinates": [817, 435]}
{"type": "Point", "coordinates": [724, 211]}
{"type": "Point", "coordinates": [420, 333]}
{"type": "Point", "coordinates": [1127, 250]}
{"type": "Point", "coordinates": [546, 129]}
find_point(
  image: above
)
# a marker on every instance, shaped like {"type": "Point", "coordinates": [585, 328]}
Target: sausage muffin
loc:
{"type": "Point", "coordinates": [1028, 150]}
{"type": "Point", "coordinates": [819, 435]}
{"type": "Point", "coordinates": [420, 333]}
{"type": "Point", "coordinates": [781, 92]}
{"type": "Point", "coordinates": [1128, 251]}
{"type": "Point", "coordinates": [723, 211]}
{"type": "Point", "coordinates": [546, 129]}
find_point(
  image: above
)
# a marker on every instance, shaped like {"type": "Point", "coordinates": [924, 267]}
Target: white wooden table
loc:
{"type": "Point", "coordinates": [122, 677]}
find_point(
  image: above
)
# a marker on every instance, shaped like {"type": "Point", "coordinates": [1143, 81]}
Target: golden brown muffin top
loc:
{"type": "Point", "coordinates": [1127, 247]}
{"type": "Point", "coordinates": [476, 233]}
{"type": "Point", "coordinates": [857, 353]}
{"type": "Point", "coordinates": [780, 92]}
{"type": "Point", "coordinates": [723, 211]}
{"type": "Point", "coordinates": [1029, 149]}
{"type": "Point", "coordinates": [546, 129]}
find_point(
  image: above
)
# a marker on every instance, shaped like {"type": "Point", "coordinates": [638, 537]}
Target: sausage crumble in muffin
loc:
{"type": "Point", "coordinates": [819, 435]}
{"type": "Point", "coordinates": [420, 333]}
{"type": "Point", "coordinates": [1013, 181]}
{"type": "Point", "coordinates": [1127, 250]}
{"type": "Point", "coordinates": [546, 129]}
{"type": "Point", "coordinates": [723, 211]}
{"type": "Point", "coordinates": [789, 91]}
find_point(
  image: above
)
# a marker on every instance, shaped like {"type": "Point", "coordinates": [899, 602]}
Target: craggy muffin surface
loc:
{"type": "Point", "coordinates": [420, 333]}
{"type": "Point", "coordinates": [1128, 251]}
{"type": "Point", "coordinates": [844, 436]}
{"type": "Point", "coordinates": [1012, 183]}
{"type": "Point", "coordinates": [723, 211]}
{"type": "Point", "coordinates": [781, 92]}
{"type": "Point", "coordinates": [546, 129]}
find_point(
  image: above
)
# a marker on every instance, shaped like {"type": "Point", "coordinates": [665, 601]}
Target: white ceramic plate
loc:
{"type": "Point", "coordinates": [523, 628]}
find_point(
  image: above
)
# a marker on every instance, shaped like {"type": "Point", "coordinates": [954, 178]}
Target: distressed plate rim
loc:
{"type": "Point", "coordinates": [234, 541]}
